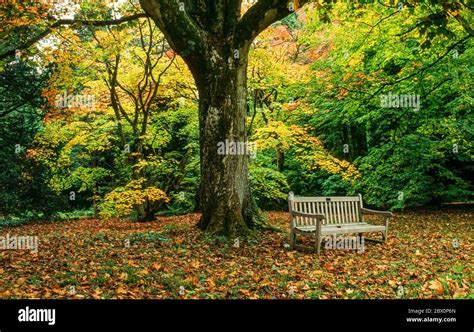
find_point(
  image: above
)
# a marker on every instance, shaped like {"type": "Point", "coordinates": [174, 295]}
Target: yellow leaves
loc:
{"type": "Point", "coordinates": [283, 272]}
{"type": "Point", "coordinates": [210, 283]}
{"type": "Point", "coordinates": [125, 199]}
{"type": "Point", "coordinates": [144, 272]}
{"type": "Point", "coordinates": [154, 194]}
{"type": "Point", "coordinates": [121, 290]}
{"type": "Point", "coordinates": [244, 292]}
{"type": "Point", "coordinates": [97, 294]}
{"type": "Point", "coordinates": [58, 290]}
{"type": "Point", "coordinates": [322, 159]}
{"type": "Point", "coordinates": [156, 266]}
{"type": "Point", "coordinates": [278, 135]}
{"type": "Point", "coordinates": [382, 267]}
{"type": "Point", "coordinates": [457, 288]}
{"type": "Point", "coordinates": [265, 271]}
{"type": "Point", "coordinates": [459, 293]}
{"type": "Point", "coordinates": [195, 264]}
{"type": "Point", "coordinates": [233, 273]}
{"type": "Point", "coordinates": [318, 272]}
{"type": "Point", "coordinates": [132, 263]}
{"type": "Point", "coordinates": [436, 286]}
{"type": "Point", "coordinates": [327, 284]}
{"type": "Point", "coordinates": [193, 280]}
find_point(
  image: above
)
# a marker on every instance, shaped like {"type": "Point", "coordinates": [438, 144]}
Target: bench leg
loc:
{"type": "Point", "coordinates": [292, 240]}
{"type": "Point", "coordinates": [385, 233]}
{"type": "Point", "coordinates": [318, 244]}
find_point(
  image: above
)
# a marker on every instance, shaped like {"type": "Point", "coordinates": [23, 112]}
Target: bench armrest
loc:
{"type": "Point", "coordinates": [380, 213]}
{"type": "Point", "coordinates": [319, 218]}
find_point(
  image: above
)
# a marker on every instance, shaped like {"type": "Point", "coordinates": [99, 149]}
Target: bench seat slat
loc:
{"type": "Point", "coordinates": [341, 229]}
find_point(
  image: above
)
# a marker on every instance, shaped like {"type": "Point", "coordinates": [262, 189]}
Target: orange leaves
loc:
{"type": "Point", "coordinates": [436, 286]}
{"type": "Point", "coordinates": [156, 266]}
{"type": "Point", "coordinates": [121, 290]}
{"type": "Point", "coordinates": [329, 267]}
{"type": "Point", "coordinates": [193, 280]}
{"type": "Point", "coordinates": [170, 54]}
{"type": "Point", "coordinates": [244, 292]}
{"type": "Point", "coordinates": [280, 34]}
{"type": "Point", "coordinates": [210, 284]}
{"type": "Point", "coordinates": [99, 268]}
{"type": "Point", "coordinates": [132, 263]}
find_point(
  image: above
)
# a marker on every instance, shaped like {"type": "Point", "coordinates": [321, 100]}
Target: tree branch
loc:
{"type": "Point", "coordinates": [418, 72]}
{"type": "Point", "coordinates": [262, 15]}
{"type": "Point", "coordinates": [59, 23]}
{"type": "Point", "coordinates": [180, 29]}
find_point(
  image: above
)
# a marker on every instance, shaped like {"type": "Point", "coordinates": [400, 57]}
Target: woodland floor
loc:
{"type": "Point", "coordinates": [171, 258]}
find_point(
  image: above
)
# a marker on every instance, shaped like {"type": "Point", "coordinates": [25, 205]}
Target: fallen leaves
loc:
{"type": "Point", "coordinates": [392, 283]}
{"type": "Point", "coordinates": [329, 267]}
{"type": "Point", "coordinates": [156, 266]}
{"type": "Point", "coordinates": [436, 286]}
{"type": "Point", "coordinates": [90, 255]}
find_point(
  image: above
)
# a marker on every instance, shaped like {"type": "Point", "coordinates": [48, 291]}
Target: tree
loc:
{"type": "Point", "coordinates": [214, 38]}
{"type": "Point", "coordinates": [141, 92]}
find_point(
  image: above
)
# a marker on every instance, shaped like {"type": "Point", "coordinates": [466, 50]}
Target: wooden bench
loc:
{"type": "Point", "coordinates": [327, 216]}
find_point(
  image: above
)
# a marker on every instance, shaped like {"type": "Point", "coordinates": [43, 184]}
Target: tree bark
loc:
{"type": "Point", "coordinates": [225, 197]}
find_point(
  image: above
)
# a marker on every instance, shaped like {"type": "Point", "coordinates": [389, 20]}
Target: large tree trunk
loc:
{"type": "Point", "coordinates": [225, 197]}
{"type": "Point", "coordinates": [207, 35]}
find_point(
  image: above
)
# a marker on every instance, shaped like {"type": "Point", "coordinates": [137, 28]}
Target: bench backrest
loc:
{"type": "Point", "coordinates": [337, 210]}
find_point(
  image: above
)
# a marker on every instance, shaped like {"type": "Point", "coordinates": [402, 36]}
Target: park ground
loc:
{"type": "Point", "coordinates": [429, 254]}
